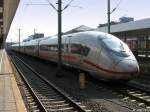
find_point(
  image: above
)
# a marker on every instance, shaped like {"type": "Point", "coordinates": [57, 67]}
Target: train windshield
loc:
{"type": "Point", "coordinates": [113, 43]}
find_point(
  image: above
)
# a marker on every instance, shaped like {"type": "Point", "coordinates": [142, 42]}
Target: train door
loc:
{"type": "Point", "coordinates": [81, 53]}
{"type": "Point", "coordinates": [66, 50]}
{"type": "Point", "coordinates": [75, 50]}
{"type": "Point", "coordinates": [38, 48]}
{"type": "Point", "coordinates": [94, 54]}
{"type": "Point", "coordinates": [73, 55]}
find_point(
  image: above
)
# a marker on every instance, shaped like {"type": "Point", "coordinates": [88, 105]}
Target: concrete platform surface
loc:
{"type": "Point", "coordinates": [10, 96]}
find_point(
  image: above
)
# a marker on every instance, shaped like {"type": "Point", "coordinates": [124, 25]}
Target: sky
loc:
{"type": "Point", "coordinates": [91, 13]}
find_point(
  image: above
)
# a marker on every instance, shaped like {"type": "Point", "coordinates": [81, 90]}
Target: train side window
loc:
{"type": "Point", "coordinates": [30, 47]}
{"type": "Point", "coordinates": [52, 48]}
{"type": "Point", "coordinates": [85, 50]}
{"type": "Point", "coordinates": [79, 49]}
{"type": "Point", "coordinates": [66, 50]}
{"type": "Point", "coordinates": [55, 48]}
{"type": "Point", "coordinates": [42, 47]}
{"type": "Point", "coordinates": [76, 48]}
{"type": "Point", "coordinates": [63, 48]}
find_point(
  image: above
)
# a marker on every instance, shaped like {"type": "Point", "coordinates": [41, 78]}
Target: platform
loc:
{"type": "Point", "coordinates": [10, 96]}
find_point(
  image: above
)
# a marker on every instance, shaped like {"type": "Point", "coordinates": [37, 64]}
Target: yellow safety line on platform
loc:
{"type": "Point", "coordinates": [18, 98]}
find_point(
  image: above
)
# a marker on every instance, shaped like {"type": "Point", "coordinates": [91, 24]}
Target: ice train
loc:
{"type": "Point", "coordinates": [102, 55]}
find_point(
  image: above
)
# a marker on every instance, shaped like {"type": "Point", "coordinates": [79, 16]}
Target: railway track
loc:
{"type": "Point", "coordinates": [132, 91]}
{"type": "Point", "coordinates": [43, 95]}
{"type": "Point", "coordinates": [136, 92]}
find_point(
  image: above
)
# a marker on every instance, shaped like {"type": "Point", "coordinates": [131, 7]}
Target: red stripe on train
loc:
{"type": "Point", "coordinates": [65, 57]}
{"type": "Point", "coordinates": [104, 69]}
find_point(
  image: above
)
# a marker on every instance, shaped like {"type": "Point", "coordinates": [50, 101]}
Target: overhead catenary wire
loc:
{"type": "Point", "coordinates": [59, 10]}
{"type": "Point", "coordinates": [68, 5]}
{"type": "Point", "coordinates": [116, 6]}
{"type": "Point", "coordinates": [52, 5]}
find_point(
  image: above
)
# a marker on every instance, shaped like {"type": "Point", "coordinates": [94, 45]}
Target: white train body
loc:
{"type": "Point", "coordinates": [102, 55]}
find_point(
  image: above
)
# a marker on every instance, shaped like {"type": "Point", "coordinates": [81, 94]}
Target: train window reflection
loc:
{"type": "Point", "coordinates": [114, 44]}
{"type": "Point", "coordinates": [76, 48]}
{"type": "Point", "coordinates": [52, 48]}
{"type": "Point", "coordinates": [85, 50]}
{"type": "Point", "coordinates": [79, 49]}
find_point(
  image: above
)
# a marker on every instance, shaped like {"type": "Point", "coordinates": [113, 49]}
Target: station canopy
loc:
{"type": "Point", "coordinates": [7, 12]}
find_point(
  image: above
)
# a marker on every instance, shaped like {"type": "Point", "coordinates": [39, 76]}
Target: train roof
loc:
{"type": "Point", "coordinates": [35, 41]}
{"type": "Point", "coordinates": [87, 34]}
{"type": "Point", "coordinates": [90, 35]}
{"type": "Point", "coordinates": [15, 45]}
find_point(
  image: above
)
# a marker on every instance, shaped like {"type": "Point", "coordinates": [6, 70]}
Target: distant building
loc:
{"type": "Point", "coordinates": [125, 19]}
{"type": "Point", "coordinates": [81, 28]}
{"type": "Point", "coordinates": [106, 24]}
{"type": "Point", "coordinates": [121, 20]}
{"type": "Point", "coordinates": [35, 36]}
{"type": "Point", "coordinates": [130, 27]}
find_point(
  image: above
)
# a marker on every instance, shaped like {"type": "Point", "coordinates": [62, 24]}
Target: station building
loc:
{"type": "Point", "coordinates": [135, 33]}
{"type": "Point", "coordinates": [35, 36]}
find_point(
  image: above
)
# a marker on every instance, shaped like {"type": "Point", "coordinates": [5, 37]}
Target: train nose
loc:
{"type": "Point", "coordinates": [130, 66]}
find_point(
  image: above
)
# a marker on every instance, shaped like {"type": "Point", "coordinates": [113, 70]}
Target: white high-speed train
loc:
{"type": "Point", "coordinates": [103, 55]}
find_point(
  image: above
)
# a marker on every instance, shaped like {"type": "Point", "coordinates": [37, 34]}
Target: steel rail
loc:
{"type": "Point", "coordinates": [39, 103]}
{"type": "Point", "coordinates": [141, 89]}
{"type": "Point", "coordinates": [75, 105]}
{"type": "Point", "coordinates": [128, 89]}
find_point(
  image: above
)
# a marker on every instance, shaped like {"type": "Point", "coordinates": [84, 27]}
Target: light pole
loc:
{"type": "Point", "coordinates": [59, 10]}
{"type": "Point", "coordinates": [34, 33]}
{"type": "Point", "coordinates": [19, 39]}
{"type": "Point", "coordinates": [110, 12]}
{"type": "Point", "coordinates": [108, 16]}
{"type": "Point", "coordinates": [59, 39]}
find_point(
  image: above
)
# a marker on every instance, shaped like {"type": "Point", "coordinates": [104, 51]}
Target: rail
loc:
{"type": "Point", "coordinates": [45, 84]}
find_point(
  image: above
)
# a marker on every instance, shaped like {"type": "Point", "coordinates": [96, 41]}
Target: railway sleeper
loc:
{"type": "Point", "coordinates": [32, 103]}
{"type": "Point", "coordinates": [30, 100]}
{"type": "Point", "coordinates": [29, 97]}
{"type": "Point", "coordinates": [36, 110]}
{"type": "Point", "coordinates": [137, 94]}
{"type": "Point", "coordinates": [52, 99]}
{"type": "Point", "coordinates": [148, 100]}
{"type": "Point", "coordinates": [63, 109]}
{"type": "Point", "coordinates": [42, 86]}
{"type": "Point", "coordinates": [145, 97]}
{"type": "Point", "coordinates": [34, 107]}
{"type": "Point", "coordinates": [48, 97]}
{"type": "Point", "coordinates": [43, 89]}
{"type": "Point", "coordinates": [38, 88]}
{"type": "Point", "coordinates": [28, 94]}
{"type": "Point", "coordinates": [58, 102]}
{"type": "Point", "coordinates": [46, 94]}
{"type": "Point", "coordinates": [55, 106]}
